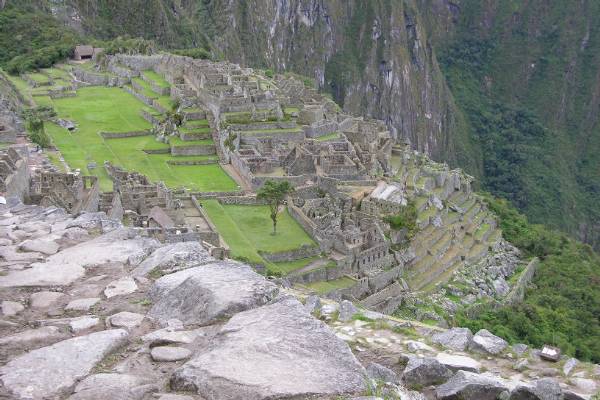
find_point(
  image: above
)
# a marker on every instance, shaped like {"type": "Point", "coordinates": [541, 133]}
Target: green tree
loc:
{"type": "Point", "coordinates": [37, 132]}
{"type": "Point", "coordinates": [274, 194]}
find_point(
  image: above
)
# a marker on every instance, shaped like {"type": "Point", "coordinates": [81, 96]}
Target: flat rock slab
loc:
{"type": "Point", "coordinates": [456, 362]}
{"type": "Point", "coordinates": [470, 386]}
{"type": "Point", "coordinates": [45, 333]}
{"type": "Point", "coordinates": [169, 353]}
{"type": "Point", "coordinates": [51, 371]}
{"type": "Point", "coordinates": [170, 336]}
{"type": "Point", "coordinates": [176, 256]}
{"type": "Point", "coordinates": [67, 266]}
{"type": "Point", "coordinates": [47, 247]}
{"type": "Point", "coordinates": [41, 300]}
{"type": "Point", "coordinates": [125, 319]}
{"type": "Point", "coordinates": [120, 287]}
{"type": "Point", "coordinates": [83, 323]}
{"type": "Point", "coordinates": [82, 304]}
{"type": "Point", "coordinates": [11, 308]}
{"type": "Point", "coordinates": [113, 387]}
{"type": "Point", "coordinates": [202, 295]}
{"type": "Point", "coordinates": [486, 342]}
{"type": "Point", "coordinates": [275, 351]}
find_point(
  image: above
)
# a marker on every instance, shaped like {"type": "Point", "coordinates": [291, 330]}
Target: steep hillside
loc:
{"type": "Point", "coordinates": [527, 77]}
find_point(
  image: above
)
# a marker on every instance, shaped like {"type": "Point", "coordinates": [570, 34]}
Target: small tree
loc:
{"type": "Point", "coordinates": [37, 133]}
{"type": "Point", "coordinates": [274, 193]}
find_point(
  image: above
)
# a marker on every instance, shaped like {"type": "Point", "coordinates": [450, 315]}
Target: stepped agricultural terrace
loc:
{"type": "Point", "coordinates": [195, 180]}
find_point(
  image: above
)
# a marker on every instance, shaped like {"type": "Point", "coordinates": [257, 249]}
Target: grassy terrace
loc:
{"type": "Point", "coordinates": [156, 78]}
{"type": "Point", "coordinates": [146, 89]}
{"type": "Point", "coordinates": [176, 141]}
{"type": "Point", "coordinates": [247, 230]}
{"type": "Point", "coordinates": [330, 286]}
{"type": "Point", "coordinates": [38, 77]}
{"type": "Point", "coordinates": [286, 267]}
{"type": "Point", "coordinates": [330, 136]}
{"type": "Point", "coordinates": [271, 131]}
{"type": "Point", "coordinates": [98, 109]}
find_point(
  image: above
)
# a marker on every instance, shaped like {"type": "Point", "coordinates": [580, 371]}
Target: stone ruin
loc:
{"type": "Point", "coordinates": [71, 191]}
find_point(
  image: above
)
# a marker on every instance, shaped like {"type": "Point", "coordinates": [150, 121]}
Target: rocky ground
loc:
{"type": "Point", "coordinates": [94, 310]}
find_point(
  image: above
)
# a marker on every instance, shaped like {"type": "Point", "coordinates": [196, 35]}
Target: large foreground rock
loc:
{"type": "Point", "coordinates": [275, 351]}
{"type": "Point", "coordinates": [470, 386]}
{"type": "Point", "coordinates": [202, 295]}
{"type": "Point", "coordinates": [176, 256]}
{"type": "Point", "coordinates": [50, 371]}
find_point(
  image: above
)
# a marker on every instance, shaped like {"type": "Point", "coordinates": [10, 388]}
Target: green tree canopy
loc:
{"type": "Point", "coordinates": [274, 193]}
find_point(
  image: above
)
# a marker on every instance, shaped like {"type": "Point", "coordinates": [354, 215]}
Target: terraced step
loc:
{"type": "Point", "coordinates": [441, 245]}
{"type": "Point", "coordinates": [430, 275]}
{"type": "Point", "coordinates": [476, 252]}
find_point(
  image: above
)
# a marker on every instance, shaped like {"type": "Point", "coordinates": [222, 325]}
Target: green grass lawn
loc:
{"type": "Point", "coordinates": [330, 286]}
{"type": "Point", "coordinates": [38, 77]}
{"type": "Point", "coordinates": [247, 230]}
{"type": "Point", "coordinates": [327, 137]}
{"type": "Point", "coordinates": [98, 109]}
{"type": "Point", "coordinates": [286, 267]}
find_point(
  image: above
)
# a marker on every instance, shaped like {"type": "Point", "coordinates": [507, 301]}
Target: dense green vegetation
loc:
{"type": "Point", "coordinates": [405, 219]}
{"type": "Point", "coordinates": [525, 81]}
{"type": "Point", "coordinates": [31, 38]}
{"type": "Point", "coordinates": [563, 306]}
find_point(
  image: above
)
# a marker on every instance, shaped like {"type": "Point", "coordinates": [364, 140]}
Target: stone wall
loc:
{"type": "Point", "coordinates": [193, 150]}
{"type": "Point", "coordinates": [305, 251]}
{"type": "Point", "coordinates": [517, 293]}
{"type": "Point", "coordinates": [120, 135]}
{"type": "Point", "coordinates": [324, 273]}
{"type": "Point", "coordinates": [320, 130]}
{"type": "Point", "coordinates": [14, 180]}
{"type": "Point", "coordinates": [241, 200]}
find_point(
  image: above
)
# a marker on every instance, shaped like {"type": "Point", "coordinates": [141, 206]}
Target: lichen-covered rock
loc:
{"type": "Point", "coordinates": [202, 295]}
{"type": "Point", "coordinates": [50, 371]}
{"type": "Point", "coordinates": [486, 342]}
{"type": "Point", "coordinates": [426, 371]}
{"type": "Point", "coordinates": [113, 387]}
{"type": "Point", "coordinates": [347, 311]}
{"type": "Point", "coordinates": [271, 352]}
{"type": "Point", "coordinates": [456, 338]}
{"type": "Point", "coordinates": [176, 256]}
{"type": "Point", "coordinates": [380, 373]}
{"type": "Point", "coordinates": [543, 389]}
{"type": "Point", "coordinates": [470, 386]}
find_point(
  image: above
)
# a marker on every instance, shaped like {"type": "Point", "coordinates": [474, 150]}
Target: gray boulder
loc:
{"type": "Point", "coordinates": [51, 371]}
{"type": "Point", "coordinates": [95, 220]}
{"type": "Point", "coordinates": [485, 342]}
{"type": "Point", "coordinates": [313, 303]}
{"type": "Point", "coordinates": [272, 352]}
{"type": "Point", "coordinates": [47, 247]}
{"type": "Point", "coordinates": [457, 363]}
{"type": "Point", "coordinates": [174, 257]}
{"type": "Point", "coordinates": [543, 389]}
{"type": "Point", "coordinates": [347, 311]}
{"type": "Point", "coordinates": [170, 353]}
{"type": "Point", "coordinates": [427, 371]}
{"type": "Point", "coordinates": [113, 387]}
{"type": "Point", "coordinates": [470, 386]}
{"type": "Point", "coordinates": [202, 295]}
{"type": "Point", "coordinates": [456, 338]}
{"type": "Point", "coordinates": [570, 365]}
{"type": "Point", "coordinates": [29, 336]}
{"type": "Point", "coordinates": [380, 373]}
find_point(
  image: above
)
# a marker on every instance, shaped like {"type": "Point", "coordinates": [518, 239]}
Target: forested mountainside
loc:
{"type": "Point", "coordinates": [508, 90]}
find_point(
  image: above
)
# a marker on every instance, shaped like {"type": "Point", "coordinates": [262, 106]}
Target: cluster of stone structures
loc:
{"type": "Point", "coordinates": [348, 173]}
